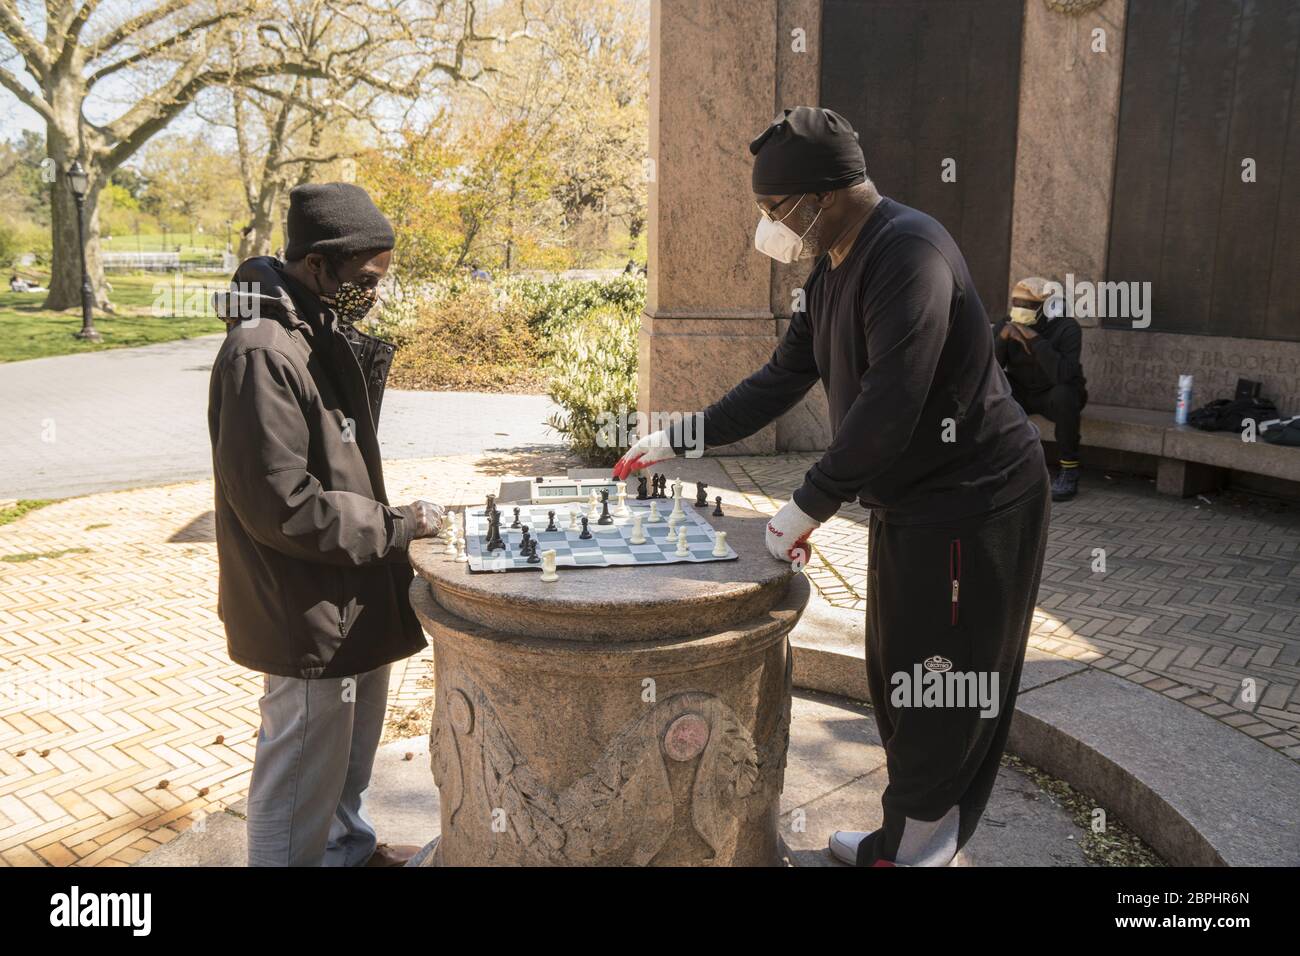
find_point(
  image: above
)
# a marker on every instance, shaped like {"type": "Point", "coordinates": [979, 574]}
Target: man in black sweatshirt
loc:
{"type": "Point", "coordinates": [926, 435]}
{"type": "Point", "coordinates": [1039, 347]}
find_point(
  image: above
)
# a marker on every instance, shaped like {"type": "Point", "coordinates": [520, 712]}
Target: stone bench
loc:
{"type": "Point", "coordinates": [1190, 461]}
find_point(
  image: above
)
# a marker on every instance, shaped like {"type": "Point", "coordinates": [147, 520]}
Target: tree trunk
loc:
{"type": "Point", "coordinates": [258, 240]}
{"type": "Point", "coordinates": [65, 267]}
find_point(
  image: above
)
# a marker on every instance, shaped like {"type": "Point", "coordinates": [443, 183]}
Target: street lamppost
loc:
{"type": "Point", "coordinates": [79, 182]}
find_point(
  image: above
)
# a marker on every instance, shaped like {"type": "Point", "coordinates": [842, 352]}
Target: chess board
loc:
{"type": "Point", "coordinates": [605, 548]}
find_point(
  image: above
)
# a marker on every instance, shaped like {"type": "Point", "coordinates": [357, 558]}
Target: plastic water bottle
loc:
{"type": "Point", "coordinates": [1184, 399]}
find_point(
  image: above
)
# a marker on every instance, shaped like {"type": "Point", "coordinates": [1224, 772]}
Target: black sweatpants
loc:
{"type": "Point", "coordinates": [949, 608]}
{"type": "Point", "coordinates": [1062, 405]}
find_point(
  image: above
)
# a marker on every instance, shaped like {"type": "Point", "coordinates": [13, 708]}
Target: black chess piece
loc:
{"type": "Point", "coordinates": [717, 510]}
{"type": "Point", "coordinates": [533, 556]}
{"type": "Point", "coordinates": [701, 495]}
{"type": "Point", "coordinates": [605, 516]}
{"type": "Point", "coordinates": [491, 507]}
{"type": "Point", "coordinates": [550, 521]}
{"type": "Point", "coordinates": [641, 494]}
{"type": "Point", "coordinates": [526, 542]}
{"type": "Point", "coordinates": [658, 482]}
{"type": "Point", "coordinates": [515, 523]}
{"type": "Point", "coordinates": [586, 532]}
{"type": "Point", "coordinates": [494, 542]}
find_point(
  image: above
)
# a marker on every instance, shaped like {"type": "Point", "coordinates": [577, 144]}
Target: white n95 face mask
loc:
{"type": "Point", "coordinates": [774, 238]}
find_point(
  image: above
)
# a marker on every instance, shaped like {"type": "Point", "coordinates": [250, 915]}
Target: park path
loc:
{"type": "Point", "coordinates": [125, 418]}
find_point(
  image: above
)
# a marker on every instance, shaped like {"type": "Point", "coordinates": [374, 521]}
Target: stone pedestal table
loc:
{"type": "Point", "coordinates": [618, 716]}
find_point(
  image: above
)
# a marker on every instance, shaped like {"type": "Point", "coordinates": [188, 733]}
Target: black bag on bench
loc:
{"type": "Point", "coordinates": [1283, 433]}
{"type": "Point", "coordinates": [1228, 414]}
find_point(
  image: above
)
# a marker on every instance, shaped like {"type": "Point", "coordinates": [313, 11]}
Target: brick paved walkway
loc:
{"type": "Point", "coordinates": [122, 721]}
{"type": "Point", "coordinates": [116, 680]}
{"type": "Point", "coordinates": [1196, 598]}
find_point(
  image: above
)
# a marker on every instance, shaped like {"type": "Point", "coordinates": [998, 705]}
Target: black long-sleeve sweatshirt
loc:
{"type": "Point", "coordinates": [924, 426]}
{"type": "Point", "coordinates": [1053, 357]}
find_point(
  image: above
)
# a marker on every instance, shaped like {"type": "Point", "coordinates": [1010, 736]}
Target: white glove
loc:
{"type": "Point", "coordinates": [650, 450]}
{"type": "Point", "coordinates": [788, 532]}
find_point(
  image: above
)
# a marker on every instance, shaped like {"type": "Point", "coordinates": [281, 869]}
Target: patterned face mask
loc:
{"type": "Point", "coordinates": [351, 302]}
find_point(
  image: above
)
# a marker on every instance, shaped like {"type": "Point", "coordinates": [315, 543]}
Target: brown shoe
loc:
{"type": "Point", "coordinates": [388, 855]}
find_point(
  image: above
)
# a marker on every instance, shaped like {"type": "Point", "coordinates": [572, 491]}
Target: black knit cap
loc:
{"type": "Point", "coordinates": [335, 219]}
{"type": "Point", "coordinates": [807, 150]}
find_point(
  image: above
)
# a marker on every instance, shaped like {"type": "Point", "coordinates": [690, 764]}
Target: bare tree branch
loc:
{"type": "Point", "coordinates": [25, 96]}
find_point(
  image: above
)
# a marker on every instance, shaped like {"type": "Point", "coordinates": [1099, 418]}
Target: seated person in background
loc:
{"type": "Point", "coordinates": [17, 285]}
{"type": "Point", "coordinates": [1039, 348]}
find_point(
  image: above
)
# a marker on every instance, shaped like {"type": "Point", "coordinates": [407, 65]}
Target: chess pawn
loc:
{"type": "Point", "coordinates": [450, 531]}
{"type": "Point", "coordinates": [682, 550]}
{"type": "Point", "coordinates": [461, 554]}
{"type": "Point", "coordinates": [653, 517]}
{"type": "Point", "coordinates": [548, 566]}
{"type": "Point", "coordinates": [638, 533]}
{"type": "Point", "coordinates": [720, 549]}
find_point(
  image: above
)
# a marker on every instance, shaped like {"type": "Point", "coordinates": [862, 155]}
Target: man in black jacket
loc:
{"type": "Point", "coordinates": [927, 436]}
{"type": "Point", "coordinates": [1039, 348]}
{"type": "Point", "coordinates": [313, 566]}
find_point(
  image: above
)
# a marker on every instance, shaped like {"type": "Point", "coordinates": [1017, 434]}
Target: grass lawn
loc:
{"type": "Point", "coordinates": [27, 331]}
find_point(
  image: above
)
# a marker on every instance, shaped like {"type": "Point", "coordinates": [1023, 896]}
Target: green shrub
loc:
{"type": "Point", "coordinates": [592, 367]}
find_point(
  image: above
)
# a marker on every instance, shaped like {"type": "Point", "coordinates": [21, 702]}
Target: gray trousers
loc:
{"type": "Point", "coordinates": [315, 751]}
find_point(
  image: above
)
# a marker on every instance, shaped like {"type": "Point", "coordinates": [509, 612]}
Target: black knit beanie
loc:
{"type": "Point", "coordinates": [807, 150]}
{"type": "Point", "coordinates": [335, 219]}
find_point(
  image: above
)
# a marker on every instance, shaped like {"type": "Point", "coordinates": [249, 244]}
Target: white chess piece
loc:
{"type": "Point", "coordinates": [622, 511]}
{"type": "Point", "coordinates": [682, 550]}
{"type": "Point", "coordinates": [461, 555]}
{"type": "Point", "coordinates": [653, 517]}
{"type": "Point", "coordinates": [679, 514]}
{"type": "Point", "coordinates": [548, 566]}
{"type": "Point", "coordinates": [449, 530]}
{"type": "Point", "coordinates": [720, 548]}
{"type": "Point", "coordinates": [593, 512]}
{"type": "Point", "coordinates": [573, 519]}
{"type": "Point", "coordinates": [638, 533]}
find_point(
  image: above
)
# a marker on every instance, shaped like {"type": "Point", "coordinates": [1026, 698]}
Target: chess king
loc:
{"type": "Point", "coordinates": [927, 436]}
{"type": "Point", "coordinates": [312, 558]}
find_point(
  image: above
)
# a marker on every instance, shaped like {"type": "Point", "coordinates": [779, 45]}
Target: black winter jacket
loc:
{"type": "Point", "coordinates": [313, 566]}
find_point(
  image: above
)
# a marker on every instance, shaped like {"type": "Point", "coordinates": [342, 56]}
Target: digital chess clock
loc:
{"type": "Point", "coordinates": [556, 489]}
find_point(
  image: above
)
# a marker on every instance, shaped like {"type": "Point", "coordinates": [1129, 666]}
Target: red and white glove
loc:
{"type": "Point", "coordinates": [788, 532]}
{"type": "Point", "coordinates": [650, 450]}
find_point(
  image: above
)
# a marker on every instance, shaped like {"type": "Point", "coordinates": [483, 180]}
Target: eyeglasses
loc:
{"type": "Point", "coordinates": [768, 213]}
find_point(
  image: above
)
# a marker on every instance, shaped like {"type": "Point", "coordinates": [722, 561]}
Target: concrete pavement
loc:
{"type": "Point", "coordinates": [833, 780]}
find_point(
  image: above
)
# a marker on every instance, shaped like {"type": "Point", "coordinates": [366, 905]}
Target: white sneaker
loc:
{"type": "Point", "coordinates": [843, 845]}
